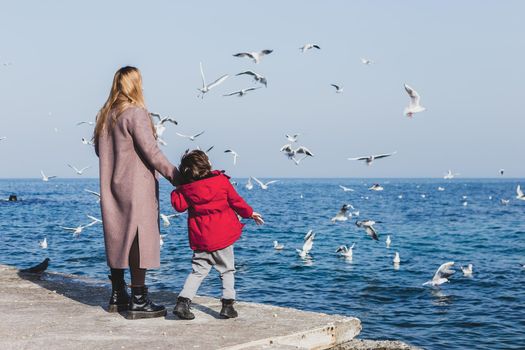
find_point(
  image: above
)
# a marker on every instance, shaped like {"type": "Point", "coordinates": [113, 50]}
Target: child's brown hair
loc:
{"type": "Point", "coordinates": [194, 165]}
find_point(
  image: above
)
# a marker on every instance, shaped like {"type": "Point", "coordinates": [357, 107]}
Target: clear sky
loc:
{"type": "Point", "coordinates": [465, 58]}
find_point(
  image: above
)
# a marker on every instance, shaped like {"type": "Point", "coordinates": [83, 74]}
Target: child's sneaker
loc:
{"type": "Point", "coordinates": [227, 310]}
{"type": "Point", "coordinates": [182, 309]}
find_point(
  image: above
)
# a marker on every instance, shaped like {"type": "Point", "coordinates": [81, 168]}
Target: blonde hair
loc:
{"type": "Point", "coordinates": [126, 91]}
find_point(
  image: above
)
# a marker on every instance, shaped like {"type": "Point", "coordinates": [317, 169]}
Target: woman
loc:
{"type": "Point", "coordinates": [126, 145]}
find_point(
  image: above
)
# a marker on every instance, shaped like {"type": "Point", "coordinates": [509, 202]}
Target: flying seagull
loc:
{"type": "Point", "coordinates": [258, 78]}
{"type": "Point", "coordinates": [370, 159]}
{"type": "Point", "coordinates": [376, 187]}
{"type": "Point", "coordinates": [166, 218]}
{"type": "Point", "coordinates": [291, 153]}
{"type": "Point", "coordinates": [159, 126]}
{"type": "Point", "coordinates": [249, 184]}
{"type": "Point", "coordinates": [413, 106]}
{"type": "Point", "coordinates": [191, 137]}
{"type": "Point", "coordinates": [342, 214]}
{"type": "Point", "coordinates": [338, 89]}
{"type": "Point", "coordinates": [46, 178]}
{"type": "Point", "coordinates": [519, 194]}
{"type": "Point", "coordinates": [87, 141]}
{"type": "Point", "coordinates": [366, 61]}
{"type": "Point", "coordinates": [255, 56]}
{"type": "Point", "coordinates": [3, 138]}
{"type": "Point", "coordinates": [292, 138]}
{"type": "Point", "coordinates": [450, 175]}
{"type": "Point", "coordinates": [264, 186]}
{"type": "Point", "coordinates": [368, 225]}
{"type": "Point", "coordinates": [307, 47]}
{"type": "Point", "coordinates": [79, 172]}
{"type": "Point", "coordinates": [235, 155]}
{"type": "Point", "coordinates": [442, 274]}
{"type": "Point", "coordinates": [501, 172]}
{"type": "Point", "coordinates": [346, 189]}
{"type": "Point", "coordinates": [307, 245]}
{"type": "Point", "coordinates": [205, 88]}
{"type": "Point", "coordinates": [77, 230]}
{"type": "Point", "coordinates": [346, 251]}
{"type": "Point", "coordinates": [241, 92]}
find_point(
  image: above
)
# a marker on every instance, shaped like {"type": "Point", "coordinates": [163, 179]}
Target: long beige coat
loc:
{"type": "Point", "coordinates": [128, 157]}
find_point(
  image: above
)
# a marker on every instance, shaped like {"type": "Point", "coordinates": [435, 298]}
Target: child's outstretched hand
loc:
{"type": "Point", "coordinates": [257, 218]}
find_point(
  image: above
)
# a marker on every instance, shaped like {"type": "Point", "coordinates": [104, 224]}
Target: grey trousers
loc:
{"type": "Point", "coordinates": [202, 262]}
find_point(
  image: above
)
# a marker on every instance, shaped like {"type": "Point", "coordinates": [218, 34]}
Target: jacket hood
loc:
{"type": "Point", "coordinates": [204, 191]}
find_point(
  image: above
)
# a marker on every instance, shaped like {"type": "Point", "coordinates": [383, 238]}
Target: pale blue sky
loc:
{"type": "Point", "coordinates": [466, 59]}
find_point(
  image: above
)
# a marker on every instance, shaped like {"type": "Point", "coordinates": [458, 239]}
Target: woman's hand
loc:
{"type": "Point", "coordinates": [257, 218]}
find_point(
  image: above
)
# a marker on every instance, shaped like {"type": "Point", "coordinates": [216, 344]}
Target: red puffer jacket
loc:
{"type": "Point", "coordinates": [212, 203]}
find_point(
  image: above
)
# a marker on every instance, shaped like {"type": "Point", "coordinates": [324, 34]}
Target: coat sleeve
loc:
{"type": "Point", "coordinates": [237, 202]}
{"type": "Point", "coordinates": [142, 134]}
{"type": "Point", "coordinates": [178, 201]}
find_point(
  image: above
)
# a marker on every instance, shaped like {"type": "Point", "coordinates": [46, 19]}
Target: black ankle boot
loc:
{"type": "Point", "coordinates": [141, 307]}
{"type": "Point", "coordinates": [182, 309]}
{"type": "Point", "coordinates": [227, 310]}
{"type": "Point", "coordinates": [119, 299]}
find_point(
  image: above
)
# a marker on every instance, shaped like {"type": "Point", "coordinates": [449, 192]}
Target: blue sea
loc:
{"type": "Point", "coordinates": [485, 311]}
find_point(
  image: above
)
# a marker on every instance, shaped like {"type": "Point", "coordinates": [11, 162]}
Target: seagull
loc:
{"type": "Point", "coordinates": [292, 138]}
{"type": "Point", "coordinates": [519, 194]}
{"type": "Point", "coordinates": [338, 89]}
{"type": "Point", "coordinates": [258, 78]}
{"type": "Point", "coordinates": [366, 61]}
{"type": "Point", "coordinates": [388, 241]}
{"type": "Point", "coordinates": [264, 186]}
{"type": "Point", "coordinates": [235, 155]}
{"type": "Point", "coordinates": [84, 122]}
{"type": "Point", "coordinates": [368, 225]}
{"type": "Point", "coordinates": [79, 172]}
{"type": "Point", "coordinates": [376, 187]}
{"type": "Point", "coordinates": [369, 159]}
{"type": "Point", "coordinates": [161, 240]}
{"type": "Point", "coordinates": [346, 189]}
{"type": "Point", "coordinates": [467, 271]}
{"type": "Point", "coordinates": [241, 92]}
{"type": "Point", "coordinates": [3, 138]}
{"type": "Point", "coordinates": [307, 47]}
{"type": "Point", "coordinates": [43, 244]}
{"type": "Point", "coordinates": [450, 175]}
{"type": "Point", "coordinates": [504, 201]}
{"type": "Point", "coordinates": [442, 274]}
{"type": "Point", "coordinates": [166, 218]}
{"type": "Point", "coordinates": [249, 184]}
{"type": "Point", "coordinates": [397, 259]}
{"type": "Point", "coordinates": [192, 137]}
{"type": "Point", "coordinates": [255, 56]}
{"type": "Point", "coordinates": [413, 106]}
{"type": "Point", "coordinates": [277, 245]}
{"type": "Point", "coordinates": [87, 142]}
{"type": "Point", "coordinates": [501, 172]}
{"type": "Point", "coordinates": [77, 230]}
{"type": "Point", "coordinates": [205, 88]}
{"type": "Point", "coordinates": [345, 251]}
{"type": "Point", "coordinates": [291, 153]}
{"type": "Point", "coordinates": [441, 188]}
{"type": "Point", "coordinates": [94, 193]}
{"type": "Point", "coordinates": [46, 178]}
{"type": "Point", "coordinates": [341, 215]}
{"type": "Point", "coordinates": [307, 245]}
{"type": "Point", "coordinates": [159, 126]}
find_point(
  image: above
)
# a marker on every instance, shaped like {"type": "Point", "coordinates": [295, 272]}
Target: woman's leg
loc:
{"type": "Point", "coordinates": [119, 299]}
{"type": "Point", "coordinates": [138, 275]}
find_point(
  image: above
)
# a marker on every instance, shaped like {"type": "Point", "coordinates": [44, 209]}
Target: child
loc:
{"type": "Point", "coordinates": [213, 228]}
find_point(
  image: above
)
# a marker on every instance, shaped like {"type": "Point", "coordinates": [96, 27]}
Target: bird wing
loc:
{"type": "Point", "coordinates": [358, 158]}
{"type": "Point", "coordinates": [251, 89]}
{"type": "Point", "coordinates": [265, 52]}
{"type": "Point", "coordinates": [218, 81]}
{"type": "Point", "coordinates": [286, 148]}
{"type": "Point", "coordinates": [232, 93]}
{"type": "Point", "coordinates": [519, 192]}
{"type": "Point", "coordinates": [182, 135]}
{"type": "Point", "coordinates": [444, 271]}
{"type": "Point", "coordinates": [51, 177]}
{"type": "Point", "coordinates": [309, 234]}
{"type": "Point", "coordinates": [243, 54]}
{"type": "Point", "coordinates": [85, 168]}
{"type": "Point", "coordinates": [94, 218]}
{"type": "Point", "coordinates": [42, 173]}
{"type": "Point", "coordinates": [169, 120]}
{"type": "Point", "coordinates": [248, 72]}
{"type": "Point", "coordinates": [372, 232]}
{"type": "Point", "coordinates": [342, 248]}
{"type": "Point", "coordinates": [384, 155]}
{"type": "Point", "coordinates": [336, 86]}
{"type": "Point", "coordinates": [202, 76]}
{"type": "Point", "coordinates": [271, 182]}
{"type": "Point", "coordinates": [72, 167]}
{"type": "Point", "coordinates": [199, 134]}
{"type": "Point", "coordinates": [304, 150]}
{"type": "Point", "coordinates": [414, 96]}
{"type": "Point", "coordinates": [258, 181]}
{"type": "Point", "coordinates": [92, 192]}
{"type": "Point", "coordinates": [317, 47]}
{"type": "Point", "coordinates": [155, 115]}
{"type": "Point", "coordinates": [68, 228]}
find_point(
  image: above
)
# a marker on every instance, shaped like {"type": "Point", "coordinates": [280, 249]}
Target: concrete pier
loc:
{"type": "Point", "coordinates": [56, 311]}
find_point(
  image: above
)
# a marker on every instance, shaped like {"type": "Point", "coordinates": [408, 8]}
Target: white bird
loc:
{"type": "Point", "coordinates": [442, 274]}
{"type": "Point", "coordinates": [450, 175]}
{"type": "Point", "coordinates": [166, 218]}
{"type": "Point", "coordinates": [338, 88]}
{"type": "Point", "coordinates": [159, 126]}
{"type": "Point", "coordinates": [388, 241]}
{"type": "Point", "coordinates": [264, 186]}
{"type": "Point", "coordinates": [346, 189]}
{"type": "Point", "coordinates": [249, 184]}
{"type": "Point", "coordinates": [191, 137]}
{"type": "Point", "coordinates": [467, 271]}
{"type": "Point", "coordinates": [370, 159]}
{"type": "Point", "coordinates": [397, 259]}
{"type": "Point", "coordinates": [79, 172]}
{"type": "Point", "coordinates": [400, 196]}
{"type": "Point", "coordinates": [307, 47]}
{"type": "Point", "coordinates": [3, 138]}
{"type": "Point", "coordinates": [43, 244]}
{"type": "Point", "coordinates": [84, 122]}
{"type": "Point", "coordinates": [46, 178]}
{"type": "Point", "coordinates": [77, 230]}
{"type": "Point", "coordinates": [292, 138]}
{"type": "Point", "coordinates": [94, 220]}
{"type": "Point", "coordinates": [376, 187]}
{"type": "Point", "coordinates": [504, 201]}
{"type": "Point", "coordinates": [256, 76]}
{"type": "Point", "coordinates": [241, 92]}
{"type": "Point", "coordinates": [235, 155]}
{"type": "Point", "coordinates": [342, 214]}
{"type": "Point", "coordinates": [207, 87]}
{"type": "Point", "coordinates": [441, 188]}
{"type": "Point", "coordinates": [291, 153]}
{"type": "Point", "coordinates": [345, 251]}
{"type": "Point", "coordinates": [307, 245]}
{"type": "Point", "coordinates": [368, 225]}
{"type": "Point", "coordinates": [366, 61]}
{"type": "Point", "coordinates": [414, 105]}
{"type": "Point", "coordinates": [94, 193]}
{"type": "Point", "coordinates": [255, 56]}
{"type": "Point", "coordinates": [277, 245]}
{"type": "Point", "coordinates": [87, 142]}
{"type": "Point", "coordinates": [519, 194]}
{"type": "Point", "coordinates": [161, 240]}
